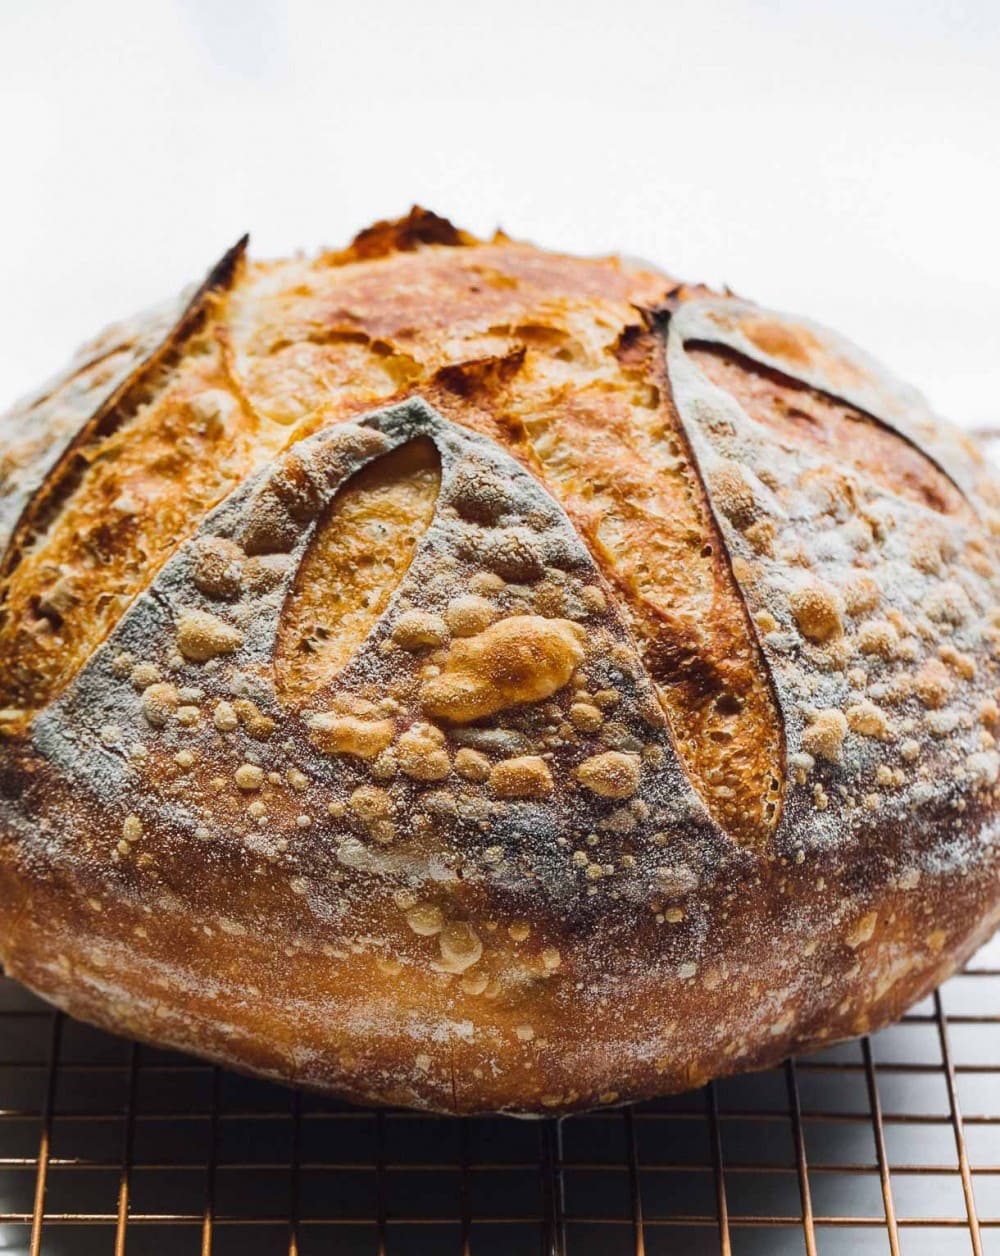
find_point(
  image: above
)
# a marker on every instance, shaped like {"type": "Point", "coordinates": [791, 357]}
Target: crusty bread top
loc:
{"type": "Point", "coordinates": [484, 575]}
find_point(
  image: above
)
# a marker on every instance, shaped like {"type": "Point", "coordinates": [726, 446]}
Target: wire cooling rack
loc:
{"type": "Point", "coordinates": [890, 1144]}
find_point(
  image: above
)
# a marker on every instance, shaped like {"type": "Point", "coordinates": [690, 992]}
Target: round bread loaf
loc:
{"type": "Point", "coordinates": [451, 674]}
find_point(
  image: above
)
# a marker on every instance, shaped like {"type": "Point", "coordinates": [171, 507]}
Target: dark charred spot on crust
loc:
{"type": "Point", "coordinates": [632, 347]}
{"type": "Point", "coordinates": [402, 235]}
{"type": "Point", "coordinates": [465, 379]}
{"type": "Point", "coordinates": [657, 317]}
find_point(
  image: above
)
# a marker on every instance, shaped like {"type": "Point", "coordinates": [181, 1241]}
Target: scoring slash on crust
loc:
{"type": "Point", "coordinates": [100, 488]}
{"type": "Point", "coordinates": [44, 428]}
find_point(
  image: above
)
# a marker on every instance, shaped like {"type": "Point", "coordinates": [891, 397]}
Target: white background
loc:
{"type": "Point", "coordinates": [838, 159]}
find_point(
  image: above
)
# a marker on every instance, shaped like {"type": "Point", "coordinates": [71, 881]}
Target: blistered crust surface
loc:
{"type": "Point", "coordinates": [547, 698]}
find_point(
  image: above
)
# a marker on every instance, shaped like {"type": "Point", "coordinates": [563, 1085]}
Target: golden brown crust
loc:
{"type": "Point", "coordinates": [362, 551]}
{"type": "Point", "coordinates": [458, 675]}
{"type": "Point", "coordinates": [109, 511]}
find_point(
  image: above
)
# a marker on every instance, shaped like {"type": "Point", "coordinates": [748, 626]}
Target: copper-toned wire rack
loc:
{"type": "Point", "coordinates": [890, 1144]}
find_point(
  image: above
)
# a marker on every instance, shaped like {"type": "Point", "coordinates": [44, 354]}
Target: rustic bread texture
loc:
{"type": "Point", "coordinates": [451, 674]}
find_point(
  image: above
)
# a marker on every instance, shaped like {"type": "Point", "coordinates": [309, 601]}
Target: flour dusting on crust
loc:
{"type": "Point", "coordinates": [475, 678]}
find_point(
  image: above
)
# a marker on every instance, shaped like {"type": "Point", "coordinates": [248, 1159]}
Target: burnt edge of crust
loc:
{"type": "Point", "coordinates": [401, 235]}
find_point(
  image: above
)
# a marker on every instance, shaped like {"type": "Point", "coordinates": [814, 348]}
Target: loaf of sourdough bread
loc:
{"type": "Point", "coordinates": [452, 674]}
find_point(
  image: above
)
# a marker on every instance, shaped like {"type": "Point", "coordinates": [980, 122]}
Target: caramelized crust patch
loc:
{"type": "Point", "coordinates": [164, 448]}
{"type": "Point", "coordinates": [360, 553]}
{"type": "Point", "coordinates": [142, 488]}
{"type": "Point", "coordinates": [805, 417]}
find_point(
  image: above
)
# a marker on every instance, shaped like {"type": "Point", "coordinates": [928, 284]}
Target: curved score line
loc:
{"type": "Point", "coordinates": [800, 413]}
{"type": "Point", "coordinates": [116, 504]}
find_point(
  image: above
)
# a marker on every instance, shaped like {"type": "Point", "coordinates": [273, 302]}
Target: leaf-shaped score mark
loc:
{"type": "Point", "coordinates": [361, 551]}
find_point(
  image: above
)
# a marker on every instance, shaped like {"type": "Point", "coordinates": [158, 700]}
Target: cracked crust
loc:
{"type": "Point", "coordinates": [451, 674]}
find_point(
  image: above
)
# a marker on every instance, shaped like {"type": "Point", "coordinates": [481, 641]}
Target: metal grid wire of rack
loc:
{"type": "Point", "coordinates": [889, 1144]}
